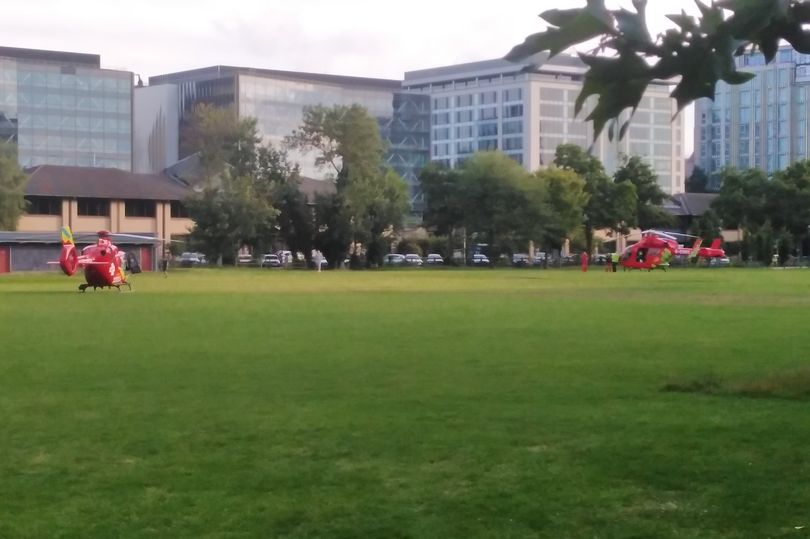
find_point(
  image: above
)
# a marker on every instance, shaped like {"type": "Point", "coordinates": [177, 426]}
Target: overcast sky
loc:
{"type": "Point", "coordinates": [373, 38]}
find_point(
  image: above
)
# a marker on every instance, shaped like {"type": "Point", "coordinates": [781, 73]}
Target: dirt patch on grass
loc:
{"type": "Point", "coordinates": [790, 384]}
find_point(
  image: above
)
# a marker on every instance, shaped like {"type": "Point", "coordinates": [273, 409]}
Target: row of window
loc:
{"type": "Point", "coordinates": [484, 98]}
{"type": "Point", "coordinates": [483, 130]}
{"type": "Point", "coordinates": [465, 116]}
{"type": "Point", "coordinates": [443, 149]}
{"type": "Point", "coordinates": [100, 207]}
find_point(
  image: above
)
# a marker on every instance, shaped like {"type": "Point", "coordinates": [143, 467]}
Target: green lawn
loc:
{"type": "Point", "coordinates": [491, 403]}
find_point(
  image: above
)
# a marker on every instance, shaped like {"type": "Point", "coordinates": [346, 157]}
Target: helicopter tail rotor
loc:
{"type": "Point", "coordinates": [69, 258]}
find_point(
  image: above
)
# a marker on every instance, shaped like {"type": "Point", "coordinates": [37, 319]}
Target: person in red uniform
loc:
{"type": "Point", "coordinates": [583, 259]}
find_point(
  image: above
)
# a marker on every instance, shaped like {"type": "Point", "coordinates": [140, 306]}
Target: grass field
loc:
{"type": "Point", "coordinates": [249, 403]}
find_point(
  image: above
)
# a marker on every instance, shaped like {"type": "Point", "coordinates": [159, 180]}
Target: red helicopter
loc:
{"type": "Point", "coordinates": [103, 262]}
{"type": "Point", "coordinates": [656, 249]}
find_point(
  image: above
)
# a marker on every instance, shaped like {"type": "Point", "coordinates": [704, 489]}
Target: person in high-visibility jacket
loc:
{"type": "Point", "coordinates": [614, 261]}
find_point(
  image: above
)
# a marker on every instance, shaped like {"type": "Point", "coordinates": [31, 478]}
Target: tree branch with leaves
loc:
{"type": "Point", "coordinates": [698, 53]}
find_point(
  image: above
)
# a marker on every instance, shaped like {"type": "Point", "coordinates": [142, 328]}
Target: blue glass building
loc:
{"type": "Point", "coordinates": [61, 108]}
{"type": "Point", "coordinates": [762, 123]}
{"type": "Point", "coordinates": [277, 100]}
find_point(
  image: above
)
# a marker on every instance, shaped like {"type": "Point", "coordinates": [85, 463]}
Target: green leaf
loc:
{"type": "Point", "coordinates": [711, 17]}
{"type": "Point", "coordinates": [574, 26]}
{"type": "Point", "coordinates": [686, 22]}
{"type": "Point", "coordinates": [633, 26]}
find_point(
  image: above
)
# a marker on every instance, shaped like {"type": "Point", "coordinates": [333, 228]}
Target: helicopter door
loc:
{"type": "Point", "coordinates": [641, 255]}
{"type": "Point", "coordinates": [132, 263]}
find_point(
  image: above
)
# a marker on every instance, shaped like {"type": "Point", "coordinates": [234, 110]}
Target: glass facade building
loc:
{"type": "Point", "coordinates": [277, 100]}
{"type": "Point", "coordinates": [63, 109]}
{"type": "Point", "coordinates": [760, 124]}
{"type": "Point", "coordinates": [527, 110]}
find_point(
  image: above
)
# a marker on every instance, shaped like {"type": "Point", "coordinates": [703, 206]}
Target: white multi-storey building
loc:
{"type": "Point", "coordinates": [526, 110]}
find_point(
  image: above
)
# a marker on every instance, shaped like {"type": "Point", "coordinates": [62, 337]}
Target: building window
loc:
{"type": "Point", "coordinates": [487, 130]}
{"type": "Point", "coordinates": [441, 103]}
{"type": "Point", "coordinates": [464, 100]}
{"type": "Point", "coordinates": [488, 145]}
{"type": "Point", "coordinates": [464, 116]}
{"type": "Point", "coordinates": [512, 111]}
{"type": "Point", "coordinates": [139, 208]}
{"type": "Point", "coordinates": [513, 94]}
{"type": "Point", "coordinates": [513, 143]}
{"type": "Point", "coordinates": [488, 98]}
{"type": "Point", "coordinates": [489, 113]}
{"type": "Point", "coordinates": [464, 131]}
{"type": "Point", "coordinates": [465, 147]}
{"type": "Point", "coordinates": [179, 210]}
{"type": "Point", "coordinates": [44, 205]}
{"type": "Point", "coordinates": [510, 128]}
{"type": "Point", "coordinates": [442, 133]}
{"type": "Point", "coordinates": [441, 118]}
{"type": "Point", "coordinates": [93, 207]}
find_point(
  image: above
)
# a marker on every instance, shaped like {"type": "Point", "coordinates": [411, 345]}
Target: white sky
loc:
{"type": "Point", "coordinates": [373, 38]}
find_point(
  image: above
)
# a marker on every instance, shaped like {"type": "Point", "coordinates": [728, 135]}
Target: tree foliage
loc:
{"type": "Point", "coordinates": [223, 140]}
{"type": "Point", "coordinates": [700, 51]}
{"type": "Point", "coordinates": [371, 199]}
{"type": "Point", "coordinates": [649, 195]}
{"type": "Point", "coordinates": [770, 212]}
{"type": "Point", "coordinates": [609, 205]}
{"type": "Point", "coordinates": [12, 187]}
{"type": "Point", "coordinates": [698, 181]}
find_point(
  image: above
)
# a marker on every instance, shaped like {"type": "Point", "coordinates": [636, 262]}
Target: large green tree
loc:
{"type": "Point", "coordinates": [565, 200]}
{"type": "Point", "coordinates": [233, 205]}
{"type": "Point", "coordinates": [223, 140]}
{"type": "Point", "coordinates": [371, 200]}
{"type": "Point", "coordinates": [698, 51]}
{"type": "Point", "coordinates": [493, 199]}
{"type": "Point", "coordinates": [743, 202]}
{"type": "Point", "coordinates": [12, 187]}
{"type": "Point", "coordinates": [229, 216]}
{"type": "Point", "coordinates": [609, 205]}
{"type": "Point", "coordinates": [649, 195]}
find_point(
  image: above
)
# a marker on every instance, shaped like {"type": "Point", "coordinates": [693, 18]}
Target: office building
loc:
{"type": "Point", "coordinates": [155, 128]}
{"type": "Point", "coordinates": [762, 123]}
{"type": "Point", "coordinates": [527, 109]}
{"type": "Point", "coordinates": [277, 100]}
{"type": "Point", "coordinates": [62, 108]}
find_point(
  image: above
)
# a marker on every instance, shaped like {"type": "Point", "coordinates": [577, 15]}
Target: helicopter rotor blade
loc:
{"type": "Point", "coordinates": [138, 237]}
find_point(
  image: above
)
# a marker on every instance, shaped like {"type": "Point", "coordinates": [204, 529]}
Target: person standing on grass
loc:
{"type": "Point", "coordinates": [583, 259]}
{"type": "Point", "coordinates": [614, 260]}
{"type": "Point", "coordinates": [165, 263]}
{"type": "Point", "coordinates": [318, 260]}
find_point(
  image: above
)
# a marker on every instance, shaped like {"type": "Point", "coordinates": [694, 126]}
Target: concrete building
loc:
{"type": "Point", "coordinates": [526, 110]}
{"type": "Point", "coordinates": [92, 199]}
{"type": "Point", "coordinates": [62, 108]}
{"type": "Point", "coordinates": [277, 100]}
{"type": "Point", "coordinates": [762, 123]}
{"type": "Point", "coordinates": [155, 128]}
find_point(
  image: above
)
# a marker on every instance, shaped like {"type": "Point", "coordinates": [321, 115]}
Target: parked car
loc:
{"type": "Point", "coordinates": [413, 260]}
{"type": "Point", "coordinates": [434, 259]}
{"type": "Point", "coordinates": [285, 257]}
{"type": "Point", "coordinates": [539, 259]}
{"type": "Point", "coordinates": [270, 261]}
{"type": "Point", "coordinates": [190, 260]}
{"type": "Point", "coordinates": [480, 260]}
{"type": "Point", "coordinates": [394, 259]}
{"type": "Point", "coordinates": [520, 260]}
